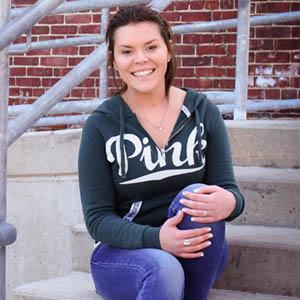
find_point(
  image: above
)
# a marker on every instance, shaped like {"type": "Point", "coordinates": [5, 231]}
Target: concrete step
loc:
{"type": "Point", "coordinates": [271, 253]}
{"type": "Point", "coordinates": [263, 259]}
{"type": "Point", "coordinates": [265, 143]}
{"type": "Point", "coordinates": [79, 286]}
{"type": "Point", "coordinates": [272, 196]}
{"type": "Point", "coordinates": [271, 143]}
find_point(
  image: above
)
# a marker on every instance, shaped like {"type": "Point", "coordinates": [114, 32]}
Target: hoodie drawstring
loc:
{"type": "Point", "coordinates": [122, 146]}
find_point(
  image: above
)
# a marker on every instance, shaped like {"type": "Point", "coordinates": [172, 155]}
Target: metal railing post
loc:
{"type": "Point", "coordinates": [103, 70]}
{"type": "Point", "coordinates": [7, 231]}
{"type": "Point", "coordinates": [242, 60]}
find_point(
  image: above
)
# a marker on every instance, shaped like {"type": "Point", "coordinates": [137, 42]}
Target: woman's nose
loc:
{"type": "Point", "coordinates": [140, 57]}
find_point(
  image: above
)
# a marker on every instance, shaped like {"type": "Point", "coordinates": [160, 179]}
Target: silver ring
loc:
{"type": "Point", "coordinates": [205, 213]}
{"type": "Point", "coordinates": [186, 243]}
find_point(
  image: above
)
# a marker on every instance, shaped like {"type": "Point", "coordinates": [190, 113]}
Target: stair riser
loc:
{"type": "Point", "coordinates": [265, 147]}
{"type": "Point", "coordinates": [272, 204]}
{"type": "Point", "coordinates": [271, 271]}
{"type": "Point", "coordinates": [82, 247]}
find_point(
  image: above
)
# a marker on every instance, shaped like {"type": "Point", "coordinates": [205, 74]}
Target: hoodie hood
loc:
{"type": "Point", "coordinates": [118, 108]}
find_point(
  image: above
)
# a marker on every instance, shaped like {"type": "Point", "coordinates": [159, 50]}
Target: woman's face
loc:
{"type": "Point", "coordinates": [141, 56]}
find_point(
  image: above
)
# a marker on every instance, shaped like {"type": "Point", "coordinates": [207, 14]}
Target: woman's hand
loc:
{"type": "Point", "coordinates": [183, 243]}
{"type": "Point", "coordinates": [208, 204]}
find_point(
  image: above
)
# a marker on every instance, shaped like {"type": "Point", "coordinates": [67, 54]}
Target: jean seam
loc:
{"type": "Point", "coordinates": [119, 265]}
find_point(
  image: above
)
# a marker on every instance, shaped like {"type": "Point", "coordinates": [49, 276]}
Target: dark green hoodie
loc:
{"type": "Point", "coordinates": [119, 163]}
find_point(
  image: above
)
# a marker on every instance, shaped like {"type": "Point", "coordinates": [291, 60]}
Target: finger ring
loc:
{"type": "Point", "coordinates": [205, 213]}
{"type": "Point", "coordinates": [186, 243]}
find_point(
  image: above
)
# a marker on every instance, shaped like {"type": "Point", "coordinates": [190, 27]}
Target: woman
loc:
{"type": "Point", "coordinates": [155, 173]}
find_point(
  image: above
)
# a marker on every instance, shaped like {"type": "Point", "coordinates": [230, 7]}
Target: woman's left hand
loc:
{"type": "Point", "coordinates": [208, 204]}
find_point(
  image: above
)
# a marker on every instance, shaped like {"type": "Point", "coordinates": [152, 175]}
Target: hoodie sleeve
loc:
{"type": "Point", "coordinates": [98, 196]}
{"type": "Point", "coordinates": [218, 158]}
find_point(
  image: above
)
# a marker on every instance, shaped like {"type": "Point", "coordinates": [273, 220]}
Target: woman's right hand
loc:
{"type": "Point", "coordinates": [172, 239]}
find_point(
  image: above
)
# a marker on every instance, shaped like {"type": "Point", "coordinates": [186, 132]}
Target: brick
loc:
{"type": "Point", "coordinates": [224, 61]}
{"type": "Point", "coordinates": [227, 4]}
{"type": "Point", "coordinates": [230, 72]}
{"type": "Point", "coordinates": [78, 19]}
{"type": "Point", "coordinates": [14, 91]}
{"type": "Point", "coordinates": [88, 83]}
{"type": "Point", "coordinates": [27, 61]}
{"type": "Point", "coordinates": [60, 72]}
{"type": "Point", "coordinates": [184, 5]}
{"type": "Point", "coordinates": [283, 81]}
{"type": "Point", "coordinates": [65, 51]}
{"type": "Point", "coordinates": [196, 16]}
{"type": "Point", "coordinates": [49, 81]}
{"type": "Point", "coordinates": [95, 29]}
{"type": "Point", "coordinates": [73, 61]}
{"type": "Point", "coordinates": [86, 50]}
{"type": "Point", "coordinates": [213, 50]}
{"type": "Point", "coordinates": [274, 31]}
{"type": "Point", "coordinates": [256, 93]}
{"type": "Point", "coordinates": [201, 83]}
{"type": "Point", "coordinates": [295, 56]}
{"type": "Point", "coordinates": [278, 57]}
{"type": "Point", "coordinates": [50, 37]}
{"type": "Point", "coordinates": [57, 19]}
{"type": "Point", "coordinates": [38, 92]}
{"type": "Point", "coordinates": [223, 84]}
{"type": "Point", "coordinates": [96, 18]}
{"type": "Point", "coordinates": [197, 61]}
{"type": "Point", "coordinates": [185, 72]}
{"type": "Point", "coordinates": [171, 16]}
{"type": "Point", "coordinates": [212, 4]}
{"type": "Point", "coordinates": [39, 72]}
{"type": "Point", "coordinates": [54, 61]}
{"type": "Point", "coordinates": [12, 81]}
{"type": "Point", "coordinates": [288, 94]}
{"type": "Point", "coordinates": [261, 44]}
{"type": "Point", "coordinates": [272, 94]}
{"type": "Point", "coordinates": [229, 38]}
{"type": "Point", "coordinates": [230, 49]}
{"type": "Point", "coordinates": [28, 81]}
{"type": "Point", "coordinates": [210, 72]}
{"type": "Point", "coordinates": [223, 15]}
{"type": "Point", "coordinates": [37, 30]}
{"type": "Point", "coordinates": [23, 2]}
{"type": "Point", "coordinates": [295, 6]}
{"type": "Point", "coordinates": [17, 71]}
{"type": "Point", "coordinates": [39, 52]}
{"type": "Point", "coordinates": [295, 82]}
{"type": "Point", "coordinates": [64, 29]}
{"type": "Point", "coordinates": [185, 49]}
{"type": "Point", "coordinates": [296, 31]}
{"type": "Point", "coordinates": [197, 38]}
{"type": "Point", "coordinates": [287, 44]}
{"type": "Point", "coordinates": [272, 7]}
{"type": "Point", "coordinates": [196, 5]}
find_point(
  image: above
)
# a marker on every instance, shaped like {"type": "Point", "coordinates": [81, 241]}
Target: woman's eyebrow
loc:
{"type": "Point", "coordinates": [128, 46]}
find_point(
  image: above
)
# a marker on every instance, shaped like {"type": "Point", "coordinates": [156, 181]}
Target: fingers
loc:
{"type": "Point", "coordinates": [194, 204]}
{"type": "Point", "coordinates": [195, 212]}
{"type": "Point", "coordinates": [176, 219]}
{"type": "Point", "coordinates": [192, 233]}
{"type": "Point", "coordinates": [207, 189]}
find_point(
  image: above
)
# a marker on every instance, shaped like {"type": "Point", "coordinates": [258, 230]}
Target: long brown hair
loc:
{"type": "Point", "coordinates": [137, 14]}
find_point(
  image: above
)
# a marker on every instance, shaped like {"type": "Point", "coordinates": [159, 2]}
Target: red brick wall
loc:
{"type": "Point", "coordinates": [206, 60]}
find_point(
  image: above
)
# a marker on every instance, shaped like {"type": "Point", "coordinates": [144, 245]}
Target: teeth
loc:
{"type": "Point", "coordinates": [142, 73]}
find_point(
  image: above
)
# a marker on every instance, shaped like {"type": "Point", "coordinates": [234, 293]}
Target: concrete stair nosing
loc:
{"type": "Point", "coordinates": [79, 286]}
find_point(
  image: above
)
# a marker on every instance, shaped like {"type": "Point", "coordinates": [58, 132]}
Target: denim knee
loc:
{"type": "Point", "coordinates": [164, 273]}
{"type": "Point", "coordinates": [186, 223]}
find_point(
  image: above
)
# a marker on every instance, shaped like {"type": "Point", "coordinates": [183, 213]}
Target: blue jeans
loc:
{"type": "Point", "coordinates": [154, 274]}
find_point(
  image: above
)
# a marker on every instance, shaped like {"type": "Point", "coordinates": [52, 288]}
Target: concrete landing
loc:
{"type": "Point", "coordinates": [79, 286]}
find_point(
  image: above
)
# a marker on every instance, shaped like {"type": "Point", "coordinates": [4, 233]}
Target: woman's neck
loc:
{"type": "Point", "coordinates": [145, 100]}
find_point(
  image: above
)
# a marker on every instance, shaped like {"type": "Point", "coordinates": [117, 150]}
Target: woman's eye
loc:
{"type": "Point", "coordinates": [126, 52]}
{"type": "Point", "coordinates": [152, 47]}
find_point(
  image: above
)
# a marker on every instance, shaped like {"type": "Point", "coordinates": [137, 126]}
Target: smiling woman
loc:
{"type": "Point", "coordinates": [155, 173]}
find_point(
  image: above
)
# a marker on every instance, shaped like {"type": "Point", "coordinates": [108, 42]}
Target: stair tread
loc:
{"type": "Point", "coordinates": [250, 236]}
{"type": "Point", "coordinates": [262, 174]}
{"type": "Point", "coordinates": [79, 285]}
{"type": "Point", "coordinates": [263, 236]}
